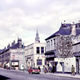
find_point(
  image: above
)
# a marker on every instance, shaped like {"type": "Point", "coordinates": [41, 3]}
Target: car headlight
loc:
{"type": "Point", "coordinates": [33, 71]}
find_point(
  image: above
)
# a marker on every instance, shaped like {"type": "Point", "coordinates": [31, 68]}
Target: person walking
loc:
{"type": "Point", "coordinates": [49, 69]}
{"type": "Point", "coordinates": [39, 68]}
{"type": "Point", "coordinates": [72, 70]}
{"type": "Point", "coordinates": [53, 68]}
{"type": "Point", "coordinates": [45, 69]}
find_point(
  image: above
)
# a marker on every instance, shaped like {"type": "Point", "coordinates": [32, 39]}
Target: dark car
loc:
{"type": "Point", "coordinates": [34, 70]}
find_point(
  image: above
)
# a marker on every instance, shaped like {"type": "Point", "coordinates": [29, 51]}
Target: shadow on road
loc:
{"type": "Point", "coordinates": [3, 77]}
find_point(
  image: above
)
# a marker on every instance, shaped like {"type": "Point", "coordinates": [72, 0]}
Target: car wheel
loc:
{"type": "Point", "coordinates": [32, 72]}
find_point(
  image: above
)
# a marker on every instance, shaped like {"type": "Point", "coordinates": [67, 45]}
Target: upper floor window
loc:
{"type": "Point", "coordinates": [48, 43]}
{"type": "Point", "coordinates": [37, 50]}
{"type": "Point", "coordinates": [51, 43]}
{"type": "Point", "coordinates": [45, 49]}
{"type": "Point", "coordinates": [54, 41]}
{"type": "Point", "coordinates": [42, 49]}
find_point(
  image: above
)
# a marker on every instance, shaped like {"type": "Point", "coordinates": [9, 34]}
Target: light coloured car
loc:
{"type": "Point", "coordinates": [21, 67]}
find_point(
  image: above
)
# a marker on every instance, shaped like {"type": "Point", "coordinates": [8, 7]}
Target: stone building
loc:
{"type": "Point", "coordinates": [34, 54]}
{"type": "Point", "coordinates": [12, 56]}
{"type": "Point", "coordinates": [59, 47]}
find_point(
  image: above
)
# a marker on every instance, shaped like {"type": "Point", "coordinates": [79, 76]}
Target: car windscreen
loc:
{"type": "Point", "coordinates": [35, 68]}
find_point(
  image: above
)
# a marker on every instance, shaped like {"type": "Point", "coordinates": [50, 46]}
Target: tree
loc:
{"type": "Point", "coordinates": [65, 46]}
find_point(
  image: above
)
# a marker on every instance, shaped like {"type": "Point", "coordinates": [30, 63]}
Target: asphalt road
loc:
{"type": "Point", "coordinates": [24, 75]}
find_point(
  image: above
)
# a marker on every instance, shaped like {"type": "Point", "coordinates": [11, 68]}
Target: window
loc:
{"type": "Point", "coordinates": [45, 49]}
{"type": "Point", "coordinates": [54, 41]}
{"type": "Point", "coordinates": [42, 49]}
{"type": "Point", "coordinates": [38, 50]}
{"type": "Point", "coordinates": [39, 61]}
{"type": "Point", "coordinates": [51, 43]}
{"type": "Point", "coordinates": [48, 43]}
{"type": "Point", "coordinates": [45, 61]}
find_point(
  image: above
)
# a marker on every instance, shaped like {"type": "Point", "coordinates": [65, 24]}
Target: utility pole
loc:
{"type": "Point", "coordinates": [23, 56]}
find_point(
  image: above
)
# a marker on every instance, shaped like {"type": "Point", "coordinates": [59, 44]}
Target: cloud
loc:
{"type": "Point", "coordinates": [21, 18]}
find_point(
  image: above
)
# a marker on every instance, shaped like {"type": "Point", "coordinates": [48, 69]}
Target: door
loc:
{"type": "Point", "coordinates": [77, 66]}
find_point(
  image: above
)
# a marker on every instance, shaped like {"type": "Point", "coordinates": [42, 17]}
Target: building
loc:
{"type": "Point", "coordinates": [34, 53]}
{"type": "Point", "coordinates": [12, 56]}
{"type": "Point", "coordinates": [76, 52]}
{"type": "Point", "coordinates": [59, 47]}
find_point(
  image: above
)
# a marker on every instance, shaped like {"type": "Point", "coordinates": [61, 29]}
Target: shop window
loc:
{"type": "Point", "coordinates": [39, 61]}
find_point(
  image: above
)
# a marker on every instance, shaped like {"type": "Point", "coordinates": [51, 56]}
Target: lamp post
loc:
{"type": "Point", "coordinates": [23, 56]}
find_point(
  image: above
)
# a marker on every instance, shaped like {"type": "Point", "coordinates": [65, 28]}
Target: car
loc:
{"type": "Point", "coordinates": [21, 67]}
{"type": "Point", "coordinates": [34, 70]}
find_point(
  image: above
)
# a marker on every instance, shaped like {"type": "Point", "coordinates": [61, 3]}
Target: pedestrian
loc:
{"type": "Point", "coordinates": [45, 69]}
{"type": "Point", "coordinates": [49, 69]}
{"type": "Point", "coordinates": [72, 70]}
{"type": "Point", "coordinates": [53, 68]}
{"type": "Point", "coordinates": [39, 68]}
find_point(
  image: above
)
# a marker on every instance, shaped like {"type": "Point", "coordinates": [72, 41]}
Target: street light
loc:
{"type": "Point", "coordinates": [23, 56]}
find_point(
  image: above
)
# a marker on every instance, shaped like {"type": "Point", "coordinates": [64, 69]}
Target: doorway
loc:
{"type": "Point", "coordinates": [77, 66]}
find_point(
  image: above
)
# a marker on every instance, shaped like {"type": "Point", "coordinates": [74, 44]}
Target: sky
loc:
{"type": "Point", "coordinates": [22, 18]}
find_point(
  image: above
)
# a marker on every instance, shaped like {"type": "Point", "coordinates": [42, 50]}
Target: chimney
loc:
{"type": "Point", "coordinates": [20, 42]}
{"type": "Point", "coordinates": [73, 31]}
{"type": "Point", "coordinates": [13, 43]}
{"type": "Point", "coordinates": [64, 24]}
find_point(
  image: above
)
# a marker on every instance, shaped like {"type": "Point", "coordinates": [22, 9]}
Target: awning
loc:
{"type": "Point", "coordinates": [50, 52]}
{"type": "Point", "coordinates": [76, 54]}
{"type": "Point", "coordinates": [49, 56]}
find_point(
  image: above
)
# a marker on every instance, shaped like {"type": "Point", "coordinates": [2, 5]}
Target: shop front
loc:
{"type": "Point", "coordinates": [77, 55]}
{"type": "Point", "coordinates": [50, 55]}
{"type": "Point", "coordinates": [15, 64]}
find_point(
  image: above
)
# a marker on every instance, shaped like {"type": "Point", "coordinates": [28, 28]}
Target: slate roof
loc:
{"type": "Point", "coordinates": [78, 31]}
{"type": "Point", "coordinates": [15, 46]}
{"type": "Point", "coordinates": [76, 43]}
{"type": "Point", "coordinates": [65, 29]}
{"type": "Point", "coordinates": [53, 35]}
{"type": "Point", "coordinates": [1, 51]}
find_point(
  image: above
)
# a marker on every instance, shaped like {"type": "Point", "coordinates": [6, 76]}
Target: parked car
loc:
{"type": "Point", "coordinates": [21, 67]}
{"type": "Point", "coordinates": [34, 70]}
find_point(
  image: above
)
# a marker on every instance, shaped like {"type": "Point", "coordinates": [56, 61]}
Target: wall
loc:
{"type": "Point", "coordinates": [76, 48]}
{"type": "Point", "coordinates": [68, 62]}
{"type": "Point", "coordinates": [18, 55]}
{"type": "Point", "coordinates": [30, 52]}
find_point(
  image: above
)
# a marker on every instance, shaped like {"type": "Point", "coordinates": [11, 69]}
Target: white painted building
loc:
{"type": "Point", "coordinates": [34, 54]}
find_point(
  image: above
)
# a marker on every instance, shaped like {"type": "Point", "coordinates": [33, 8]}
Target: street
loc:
{"type": "Point", "coordinates": [24, 75]}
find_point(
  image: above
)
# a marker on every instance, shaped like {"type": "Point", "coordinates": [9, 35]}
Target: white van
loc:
{"type": "Point", "coordinates": [21, 67]}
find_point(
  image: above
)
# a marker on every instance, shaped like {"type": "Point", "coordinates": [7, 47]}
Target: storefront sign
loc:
{"type": "Point", "coordinates": [47, 56]}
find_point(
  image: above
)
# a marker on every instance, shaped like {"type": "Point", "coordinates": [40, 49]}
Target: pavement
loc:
{"type": "Point", "coordinates": [77, 76]}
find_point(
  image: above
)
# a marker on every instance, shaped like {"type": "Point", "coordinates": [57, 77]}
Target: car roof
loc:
{"type": "Point", "coordinates": [34, 68]}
